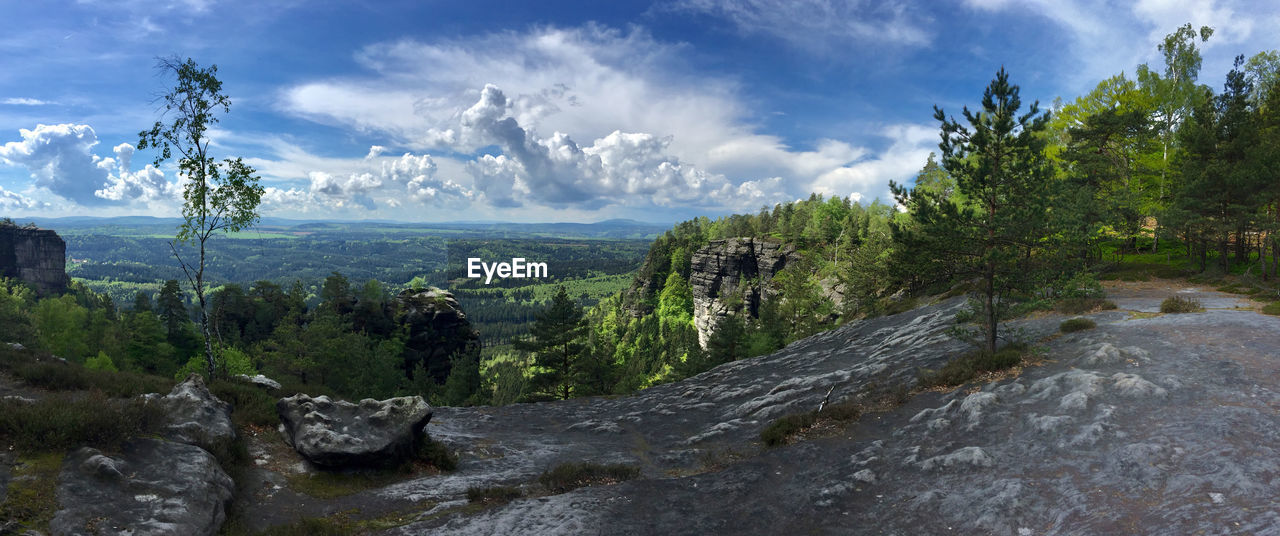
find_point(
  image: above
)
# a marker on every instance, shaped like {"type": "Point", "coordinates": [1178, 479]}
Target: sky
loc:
{"type": "Point", "coordinates": [547, 111]}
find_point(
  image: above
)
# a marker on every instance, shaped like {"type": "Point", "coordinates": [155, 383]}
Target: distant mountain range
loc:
{"type": "Point", "coordinates": [614, 228]}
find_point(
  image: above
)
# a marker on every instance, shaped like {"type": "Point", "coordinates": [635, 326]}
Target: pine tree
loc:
{"type": "Point", "coordinates": [1000, 167]}
{"type": "Point", "coordinates": [556, 340]}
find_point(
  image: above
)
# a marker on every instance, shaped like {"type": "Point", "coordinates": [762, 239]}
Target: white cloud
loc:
{"type": "Point", "coordinates": [1109, 39]}
{"type": "Point", "coordinates": [368, 183]}
{"type": "Point", "coordinates": [578, 84]}
{"type": "Point", "coordinates": [146, 185]}
{"type": "Point", "coordinates": [907, 153]}
{"type": "Point", "coordinates": [620, 168]}
{"type": "Point", "coordinates": [820, 25]}
{"type": "Point", "coordinates": [16, 201]}
{"type": "Point", "coordinates": [25, 101]}
{"type": "Point", "coordinates": [60, 159]}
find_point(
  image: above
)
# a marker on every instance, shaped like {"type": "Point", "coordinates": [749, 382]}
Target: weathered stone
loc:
{"type": "Point", "coordinates": [194, 416]}
{"type": "Point", "coordinates": [732, 266]}
{"type": "Point", "coordinates": [337, 433]}
{"type": "Point", "coordinates": [153, 487]}
{"type": "Point", "coordinates": [37, 256]}
{"type": "Point", "coordinates": [259, 380]}
{"type": "Point", "coordinates": [438, 330]}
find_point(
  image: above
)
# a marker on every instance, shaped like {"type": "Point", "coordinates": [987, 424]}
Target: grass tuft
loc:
{"type": "Point", "coordinates": [493, 494]}
{"type": "Point", "coordinates": [570, 476]}
{"type": "Point", "coordinates": [1079, 306]}
{"type": "Point", "coordinates": [1272, 308]}
{"type": "Point", "coordinates": [1076, 324]}
{"type": "Point", "coordinates": [782, 429]}
{"type": "Point", "coordinates": [1179, 304]}
{"type": "Point", "coordinates": [966, 367]}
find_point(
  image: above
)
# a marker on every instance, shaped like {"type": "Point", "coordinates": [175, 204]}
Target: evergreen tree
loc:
{"type": "Point", "coordinates": [556, 340]}
{"type": "Point", "coordinates": [1000, 167]}
{"type": "Point", "coordinates": [172, 309]}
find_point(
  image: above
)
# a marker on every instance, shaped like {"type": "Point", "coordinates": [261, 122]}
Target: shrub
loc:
{"type": "Point", "coordinates": [435, 453]}
{"type": "Point", "coordinates": [250, 404]}
{"type": "Point", "coordinates": [1076, 324]}
{"type": "Point", "coordinates": [570, 476]}
{"type": "Point", "coordinates": [783, 428]}
{"type": "Point", "coordinates": [1077, 306]}
{"type": "Point", "coordinates": [968, 366]}
{"type": "Point", "coordinates": [60, 422]}
{"type": "Point", "coordinates": [1272, 308]}
{"type": "Point", "coordinates": [493, 494]}
{"type": "Point", "coordinates": [1178, 304]}
{"type": "Point", "coordinates": [102, 361]}
{"type": "Point", "coordinates": [57, 376]}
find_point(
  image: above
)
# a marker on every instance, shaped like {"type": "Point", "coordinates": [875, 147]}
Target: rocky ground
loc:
{"type": "Point", "coordinates": [1150, 423]}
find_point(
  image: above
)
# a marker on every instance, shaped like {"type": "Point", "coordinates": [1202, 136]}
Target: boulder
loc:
{"type": "Point", "coordinates": [259, 380]}
{"type": "Point", "coordinates": [153, 487]}
{"type": "Point", "coordinates": [438, 330]}
{"type": "Point", "coordinates": [37, 256]}
{"type": "Point", "coordinates": [17, 346]}
{"type": "Point", "coordinates": [194, 416]}
{"type": "Point", "coordinates": [738, 266]}
{"type": "Point", "coordinates": [337, 433]}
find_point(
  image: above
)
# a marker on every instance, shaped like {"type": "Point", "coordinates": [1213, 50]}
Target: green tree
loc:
{"type": "Point", "coordinates": [1173, 95]}
{"type": "Point", "coordinates": [556, 340]}
{"type": "Point", "coordinates": [219, 197]}
{"type": "Point", "coordinates": [172, 309]}
{"type": "Point", "coordinates": [1000, 166]}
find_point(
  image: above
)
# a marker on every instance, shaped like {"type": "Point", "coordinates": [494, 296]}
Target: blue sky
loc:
{"type": "Point", "coordinates": [548, 111]}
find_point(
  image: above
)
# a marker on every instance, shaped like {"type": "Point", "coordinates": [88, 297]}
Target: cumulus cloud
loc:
{"type": "Point", "coordinates": [820, 25]}
{"type": "Point", "coordinates": [380, 181]}
{"type": "Point", "coordinates": [16, 201]}
{"type": "Point", "coordinates": [585, 117]}
{"type": "Point", "coordinates": [556, 171]}
{"type": "Point", "coordinates": [146, 185]}
{"type": "Point", "coordinates": [907, 153]}
{"type": "Point", "coordinates": [61, 160]}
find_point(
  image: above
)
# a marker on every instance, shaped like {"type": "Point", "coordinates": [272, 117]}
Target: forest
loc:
{"type": "Point", "coordinates": [1019, 208]}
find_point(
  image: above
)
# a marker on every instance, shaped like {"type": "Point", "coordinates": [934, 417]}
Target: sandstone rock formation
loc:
{"type": "Point", "coordinates": [337, 433]}
{"type": "Point", "coordinates": [741, 267]}
{"type": "Point", "coordinates": [194, 416]}
{"type": "Point", "coordinates": [37, 256]}
{"type": "Point", "coordinates": [153, 487]}
{"type": "Point", "coordinates": [259, 380]}
{"type": "Point", "coordinates": [438, 330]}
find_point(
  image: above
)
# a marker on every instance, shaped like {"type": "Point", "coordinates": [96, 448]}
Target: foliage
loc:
{"type": "Point", "coordinates": [436, 454]}
{"type": "Point", "coordinates": [1076, 324]}
{"type": "Point", "coordinates": [557, 347]}
{"type": "Point", "coordinates": [219, 197]}
{"type": "Point", "coordinates": [1179, 304]}
{"type": "Point", "coordinates": [998, 232]}
{"type": "Point", "coordinates": [31, 498]}
{"type": "Point", "coordinates": [101, 362]}
{"type": "Point", "coordinates": [59, 422]}
{"type": "Point", "coordinates": [780, 430]}
{"type": "Point", "coordinates": [570, 476]}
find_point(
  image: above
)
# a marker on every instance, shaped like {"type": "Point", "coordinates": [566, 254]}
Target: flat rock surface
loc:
{"type": "Point", "coordinates": [1148, 424]}
{"type": "Point", "coordinates": [153, 487]}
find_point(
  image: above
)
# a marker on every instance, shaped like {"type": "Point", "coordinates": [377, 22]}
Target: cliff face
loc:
{"type": "Point", "coordinates": [438, 330]}
{"type": "Point", "coordinates": [740, 268]}
{"type": "Point", "coordinates": [37, 256]}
